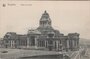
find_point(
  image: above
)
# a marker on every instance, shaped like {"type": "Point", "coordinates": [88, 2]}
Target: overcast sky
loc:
{"type": "Point", "coordinates": [66, 16]}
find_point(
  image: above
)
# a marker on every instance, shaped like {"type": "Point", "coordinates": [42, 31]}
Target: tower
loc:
{"type": "Point", "coordinates": [45, 24]}
{"type": "Point", "coordinates": [45, 20]}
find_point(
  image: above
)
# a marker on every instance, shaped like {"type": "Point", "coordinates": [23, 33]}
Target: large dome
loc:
{"type": "Point", "coordinates": [45, 16]}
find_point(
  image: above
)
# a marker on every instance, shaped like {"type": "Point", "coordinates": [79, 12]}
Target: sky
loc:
{"type": "Point", "coordinates": [66, 16]}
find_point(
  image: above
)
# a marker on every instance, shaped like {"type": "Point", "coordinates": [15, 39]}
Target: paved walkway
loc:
{"type": "Point", "coordinates": [16, 53]}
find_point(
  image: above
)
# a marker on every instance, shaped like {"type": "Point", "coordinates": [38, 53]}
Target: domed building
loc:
{"type": "Point", "coordinates": [44, 37]}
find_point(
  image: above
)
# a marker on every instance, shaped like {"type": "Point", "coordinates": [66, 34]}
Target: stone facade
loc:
{"type": "Point", "coordinates": [44, 37]}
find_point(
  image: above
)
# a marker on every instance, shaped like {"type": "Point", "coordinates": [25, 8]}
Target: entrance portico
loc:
{"type": "Point", "coordinates": [32, 38]}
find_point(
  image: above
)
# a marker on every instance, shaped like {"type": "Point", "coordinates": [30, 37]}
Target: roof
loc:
{"type": "Point", "coordinates": [10, 35]}
{"type": "Point", "coordinates": [22, 37]}
{"type": "Point", "coordinates": [74, 34]}
{"type": "Point", "coordinates": [34, 32]}
{"type": "Point", "coordinates": [45, 16]}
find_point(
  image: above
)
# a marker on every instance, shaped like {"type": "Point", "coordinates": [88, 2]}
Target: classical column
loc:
{"type": "Point", "coordinates": [57, 45]}
{"type": "Point", "coordinates": [67, 43]}
{"type": "Point", "coordinates": [73, 43]}
{"type": "Point", "coordinates": [78, 43]}
{"type": "Point", "coordinates": [27, 42]}
{"type": "Point", "coordinates": [11, 44]}
{"type": "Point", "coordinates": [45, 44]}
{"type": "Point", "coordinates": [36, 43]}
{"type": "Point", "coordinates": [54, 44]}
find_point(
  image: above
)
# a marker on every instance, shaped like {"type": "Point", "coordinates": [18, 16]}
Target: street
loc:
{"type": "Point", "coordinates": [16, 53]}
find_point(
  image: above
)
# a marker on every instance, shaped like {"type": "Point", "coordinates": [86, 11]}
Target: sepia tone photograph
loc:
{"type": "Point", "coordinates": [44, 29]}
